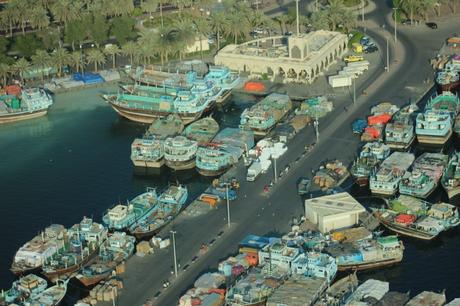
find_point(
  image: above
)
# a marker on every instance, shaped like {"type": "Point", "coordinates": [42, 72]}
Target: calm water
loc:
{"type": "Point", "coordinates": [75, 162]}
{"type": "Point", "coordinates": [71, 163]}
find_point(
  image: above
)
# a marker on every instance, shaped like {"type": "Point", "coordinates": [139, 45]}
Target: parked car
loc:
{"type": "Point", "coordinates": [353, 58]}
{"type": "Point", "coordinates": [365, 40]}
{"type": "Point", "coordinates": [370, 49]}
{"type": "Point", "coordinates": [432, 25]}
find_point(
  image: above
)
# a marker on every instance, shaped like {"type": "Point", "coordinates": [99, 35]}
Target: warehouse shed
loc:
{"type": "Point", "coordinates": [332, 212]}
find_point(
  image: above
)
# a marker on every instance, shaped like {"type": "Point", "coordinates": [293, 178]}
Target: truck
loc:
{"type": "Point", "coordinates": [254, 171]}
{"type": "Point", "coordinates": [358, 126]}
{"type": "Point", "coordinates": [304, 186]}
{"type": "Point", "coordinates": [358, 64]}
{"type": "Point", "coordinates": [340, 81]}
{"type": "Point", "coordinates": [221, 192]}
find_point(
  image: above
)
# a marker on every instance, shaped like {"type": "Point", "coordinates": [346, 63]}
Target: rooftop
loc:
{"type": "Point", "coordinates": [335, 204]}
{"type": "Point", "coordinates": [297, 292]}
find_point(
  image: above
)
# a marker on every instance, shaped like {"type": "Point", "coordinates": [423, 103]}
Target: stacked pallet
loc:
{"type": "Point", "coordinates": [103, 292]}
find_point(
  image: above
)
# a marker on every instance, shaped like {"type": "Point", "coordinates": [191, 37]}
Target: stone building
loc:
{"type": "Point", "coordinates": [294, 58]}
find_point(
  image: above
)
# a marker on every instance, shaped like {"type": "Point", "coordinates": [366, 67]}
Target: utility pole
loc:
{"type": "Point", "coordinates": [316, 5]}
{"type": "Point", "coordinates": [316, 124]}
{"type": "Point", "coordinates": [228, 205]}
{"type": "Point", "coordinates": [362, 10]}
{"type": "Point", "coordinates": [297, 17]}
{"type": "Point", "coordinates": [174, 252]}
{"type": "Point", "coordinates": [388, 57]}
{"type": "Point", "coordinates": [354, 91]}
{"type": "Point", "coordinates": [274, 169]}
{"type": "Point", "coordinates": [396, 24]}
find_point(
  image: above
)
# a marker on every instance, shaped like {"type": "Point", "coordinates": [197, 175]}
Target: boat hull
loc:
{"type": "Point", "coordinates": [404, 230]}
{"type": "Point", "coordinates": [88, 281]}
{"type": "Point", "coordinates": [22, 271]}
{"type": "Point", "coordinates": [148, 164]}
{"type": "Point", "coordinates": [218, 172]}
{"type": "Point", "coordinates": [22, 116]}
{"type": "Point", "coordinates": [181, 165]}
{"type": "Point", "coordinates": [434, 140]}
{"type": "Point", "coordinates": [452, 192]}
{"type": "Point", "coordinates": [223, 97]}
{"type": "Point", "coordinates": [362, 181]}
{"type": "Point", "coordinates": [149, 116]}
{"type": "Point", "coordinates": [147, 234]}
{"type": "Point", "coordinates": [448, 87]}
{"type": "Point", "coordinates": [400, 146]}
{"type": "Point", "coordinates": [55, 275]}
{"type": "Point", "coordinates": [370, 265]}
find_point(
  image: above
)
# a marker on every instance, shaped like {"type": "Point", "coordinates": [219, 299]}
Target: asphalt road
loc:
{"type": "Point", "coordinates": [258, 213]}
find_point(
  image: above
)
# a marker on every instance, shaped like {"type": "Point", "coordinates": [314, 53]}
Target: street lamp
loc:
{"type": "Point", "coordinates": [388, 57]}
{"type": "Point", "coordinates": [297, 17]}
{"type": "Point", "coordinates": [274, 169]}
{"type": "Point", "coordinates": [354, 91]}
{"type": "Point", "coordinates": [362, 10]}
{"type": "Point", "coordinates": [316, 124]}
{"type": "Point", "coordinates": [228, 205]}
{"type": "Point", "coordinates": [396, 24]}
{"type": "Point", "coordinates": [174, 252]}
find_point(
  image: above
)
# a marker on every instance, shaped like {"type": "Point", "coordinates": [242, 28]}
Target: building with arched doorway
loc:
{"type": "Point", "coordinates": [294, 58]}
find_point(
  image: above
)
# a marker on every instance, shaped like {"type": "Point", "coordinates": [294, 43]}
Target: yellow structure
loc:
{"type": "Point", "coordinates": [296, 58]}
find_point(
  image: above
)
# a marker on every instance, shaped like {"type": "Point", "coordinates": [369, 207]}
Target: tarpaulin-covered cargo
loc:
{"type": "Point", "coordinates": [88, 78]}
{"type": "Point", "coordinates": [254, 86]}
{"type": "Point", "coordinates": [210, 280]}
{"type": "Point", "coordinates": [14, 90]}
{"type": "Point", "coordinates": [379, 119]}
{"type": "Point", "coordinates": [405, 218]}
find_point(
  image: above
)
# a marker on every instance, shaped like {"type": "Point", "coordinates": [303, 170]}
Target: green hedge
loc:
{"type": "Point", "coordinates": [356, 38]}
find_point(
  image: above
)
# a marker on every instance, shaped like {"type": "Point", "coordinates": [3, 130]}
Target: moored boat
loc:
{"type": "Point", "coordinates": [31, 256]}
{"type": "Point", "coordinates": [448, 78]}
{"type": "Point", "coordinates": [114, 251]}
{"type": "Point", "coordinates": [433, 127]}
{"type": "Point", "coordinates": [121, 217]}
{"type": "Point", "coordinates": [339, 291]}
{"type": "Point", "coordinates": [451, 177]}
{"type": "Point", "coordinates": [27, 104]}
{"type": "Point", "coordinates": [83, 245]}
{"type": "Point", "coordinates": [227, 147]}
{"type": "Point", "coordinates": [148, 151]}
{"type": "Point", "coordinates": [203, 130]}
{"type": "Point", "coordinates": [400, 131]}
{"type": "Point", "coordinates": [170, 203]}
{"type": "Point", "coordinates": [26, 287]}
{"type": "Point", "coordinates": [416, 218]}
{"type": "Point", "coordinates": [179, 152]}
{"type": "Point", "coordinates": [370, 156]}
{"type": "Point", "coordinates": [263, 116]}
{"type": "Point", "coordinates": [386, 179]}
{"type": "Point", "coordinates": [367, 254]}
{"type": "Point", "coordinates": [428, 298]}
{"type": "Point", "coordinates": [51, 296]}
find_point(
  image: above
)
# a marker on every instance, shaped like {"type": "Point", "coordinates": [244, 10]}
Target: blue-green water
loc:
{"type": "Point", "coordinates": [69, 164]}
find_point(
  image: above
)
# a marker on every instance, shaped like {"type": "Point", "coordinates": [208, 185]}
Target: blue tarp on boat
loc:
{"type": "Point", "coordinates": [88, 78]}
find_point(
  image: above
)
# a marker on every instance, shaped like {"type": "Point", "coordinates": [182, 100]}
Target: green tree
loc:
{"type": "Point", "coordinates": [202, 29]}
{"type": "Point", "coordinates": [74, 32]}
{"type": "Point", "coordinates": [76, 60]}
{"type": "Point", "coordinates": [218, 24]}
{"type": "Point", "coordinates": [283, 21]}
{"type": "Point", "coordinates": [150, 6]}
{"type": "Point", "coordinates": [181, 4]}
{"type": "Point", "coordinates": [21, 66]}
{"type": "Point", "coordinates": [41, 60]}
{"type": "Point", "coordinates": [99, 30]}
{"type": "Point", "coordinates": [5, 70]}
{"type": "Point", "coordinates": [236, 26]}
{"type": "Point", "coordinates": [319, 20]}
{"type": "Point", "coordinates": [65, 10]}
{"type": "Point", "coordinates": [335, 13]}
{"type": "Point", "coordinates": [26, 45]}
{"type": "Point", "coordinates": [112, 51]}
{"type": "Point", "coordinates": [96, 57]}
{"type": "Point", "coordinates": [425, 6]}
{"type": "Point", "coordinates": [60, 58]}
{"type": "Point", "coordinates": [130, 49]}
{"type": "Point", "coordinates": [50, 37]}
{"type": "Point", "coordinates": [38, 18]}
{"type": "Point", "coordinates": [123, 28]}
{"type": "Point", "coordinates": [10, 16]}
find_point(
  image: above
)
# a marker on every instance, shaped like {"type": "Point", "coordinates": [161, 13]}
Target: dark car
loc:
{"type": "Point", "coordinates": [431, 25]}
{"type": "Point", "coordinates": [370, 49]}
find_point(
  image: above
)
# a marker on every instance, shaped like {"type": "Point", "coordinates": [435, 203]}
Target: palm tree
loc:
{"type": "Point", "coordinates": [426, 6]}
{"type": "Point", "coordinates": [11, 16]}
{"type": "Point", "coordinates": [201, 27]}
{"type": "Point", "coordinates": [113, 51]}
{"type": "Point", "coordinates": [130, 49]}
{"type": "Point", "coordinates": [181, 4]}
{"type": "Point", "coordinates": [95, 57]}
{"type": "Point", "coordinates": [41, 60]}
{"type": "Point", "coordinates": [319, 20]}
{"type": "Point", "coordinates": [60, 58]}
{"type": "Point", "coordinates": [5, 70]}
{"type": "Point", "coordinates": [335, 12]}
{"type": "Point", "coordinates": [149, 6]}
{"type": "Point", "coordinates": [21, 66]}
{"type": "Point", "coordinates": [38, 18]}
{"type": "Point", "coordinates": [65, 10]}
{"type": "Point", "coordinates": [218, 24]}
{"type": "Point", "coordinates": [76, 60]}
{"type": "Point", "coordinates": [283, 20]}
{"type": "Point", "coordinates": [237, 26]}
